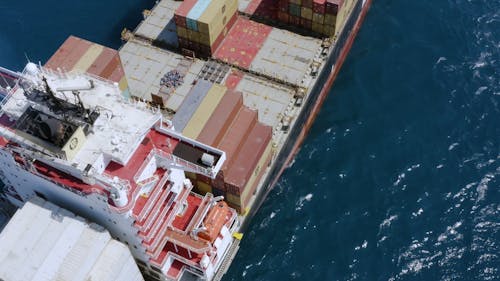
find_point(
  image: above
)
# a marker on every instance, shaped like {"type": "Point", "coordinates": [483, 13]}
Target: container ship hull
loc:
{"type": "Point", "coordinates": [179, 177]}
{"type": "Point", "coordinates": [313, 105]}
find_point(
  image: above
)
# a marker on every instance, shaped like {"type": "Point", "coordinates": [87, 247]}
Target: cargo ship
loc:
{"type": "Point", "coordinates": [173, 141]}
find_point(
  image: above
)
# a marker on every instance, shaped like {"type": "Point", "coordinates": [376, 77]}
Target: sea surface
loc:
{"type": "Point", "coordinates": [399, 176]}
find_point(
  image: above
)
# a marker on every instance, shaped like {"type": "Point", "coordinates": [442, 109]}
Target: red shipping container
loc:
{"type": "Point", "coordinates": [333, 6]}
{"type": "Point", "coordinates": [235, 137]}
{"type": "Point", "coordinates": [319, 6]}
{"type": "Point", "coordinates": [180, 21]}
{"type": "Point", "coordinates": [283, 17]}
{"type": "Point", "coordinates": [244, 165]}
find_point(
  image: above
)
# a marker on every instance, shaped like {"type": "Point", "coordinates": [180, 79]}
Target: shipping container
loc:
{"type": "Point", "coordinates": [62, 53]}
{"type": "Point", "coordinates": [111, 67]}
{"type": "Point", "coordinates": [102, 61]}
{"type": "Point", "coordinates": [307, 3]}
{"type": "Point", "coordinates": [245, 164]}
{"type": "Point", "coordinates": [319, 6]}
{"type": "Point", "coordinates": [318, 18]}
{"type": "Point", "coordinates": [221, 118]}
{"type": "Point", "coordinates": [333, 6]}
{"type": "Point", "coordinates": [203, 188]}
{"type": "Point", "coordinates": [317, 27]}
{"type": "Point", "coordinates": [296, 2]}
{"type": "Point", "coordinates": [88, 57]}
{"type": "Point", "coordinates": [330, 20]}
{"type": "Point", "coordinates": [204, 111]}
{"type": "Point", "coordinates": [236, 135]}
{"type": "Point", "coordinates": [283, 17]}
{"type": "Point", "coordinates": [294, 9]}
{"type": "Point", "coordinates": [306, 13]}
{"type": "Point", "coordinates": [69, 59]}
{"type": "Point", "coordinates": [190, 104]}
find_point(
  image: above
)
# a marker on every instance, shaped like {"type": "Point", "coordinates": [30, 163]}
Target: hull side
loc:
{"type": "Point", "coordinates": [317, 96]}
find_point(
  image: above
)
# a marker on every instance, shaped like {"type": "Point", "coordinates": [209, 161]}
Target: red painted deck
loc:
{"type": "Point", "coordinates": [181, 222]}
{"type": "Point", "coordinates": [175, 269]}
{"type": "Point", "coordinates": [153, 139]}
{"type": "Point", "coordinates": [65, 179]}
{"type": "Point", "coordinates": [243, 42]}
{"type": "Point", "coordinates": [263, 8]}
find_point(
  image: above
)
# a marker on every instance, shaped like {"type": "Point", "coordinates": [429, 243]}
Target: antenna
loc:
{"type": "Point", "coordinates": [26, 56]}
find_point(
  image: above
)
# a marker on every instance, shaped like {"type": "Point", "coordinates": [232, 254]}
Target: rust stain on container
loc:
{"type": "Point", "coordinates": [221, 118]}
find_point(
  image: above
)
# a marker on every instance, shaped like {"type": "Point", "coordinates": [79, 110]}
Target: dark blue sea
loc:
{"type": "Point", "coordinates": [399, 176]}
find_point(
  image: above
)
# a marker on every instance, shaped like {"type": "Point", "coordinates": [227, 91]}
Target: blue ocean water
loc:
{"type": "Point", "coordinates": [399, 176]}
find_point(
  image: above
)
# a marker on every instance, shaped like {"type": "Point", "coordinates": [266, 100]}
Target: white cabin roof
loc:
{"type": "Point", "coordinates": [45, 242]}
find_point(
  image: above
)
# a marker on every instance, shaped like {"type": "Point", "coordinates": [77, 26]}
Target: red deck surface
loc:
{"type": "Point", "coordinates": [243, 42]}
{"type": "Point", "coordinates": [65, 179]}
{"type": "Point", "coordinates": [181, 222]}
{"type": "Point", "coordinates": [153, 139]}
{"type": "Point", "coordinates": [234, 79]}
{"type": "Point", "coordinates": [263, 8]}
{"type": "Point", "coordinates": [175, 269]}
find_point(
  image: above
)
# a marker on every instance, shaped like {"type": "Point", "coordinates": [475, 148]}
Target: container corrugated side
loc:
{"type": "Point", "coordinates": [190, 104]}
{"type": "Point", "coordinates": [216, 17]}
{"type": "Point", "coordinates": [102, 61]}
{"type": "Point", "coordinates": [248, 157]}
{"type": "Point", "coordinates": [221, 118]}
{"type": "Point", "coordinates": [78, 49]}
{"type": "Point", "coordinates": [204, 111]}
{"type": "Point", "coordinates": [87, 59]}
{"type": "Point", "coordinates": [235, 137]}
{"type": "Point", "coordinates": [57, 59]}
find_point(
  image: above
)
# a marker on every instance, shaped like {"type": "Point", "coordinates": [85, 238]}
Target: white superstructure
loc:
{"type": "Point", "coordinates": [44, 242]}
{"type": "Point", "coordinates": [70, 138]}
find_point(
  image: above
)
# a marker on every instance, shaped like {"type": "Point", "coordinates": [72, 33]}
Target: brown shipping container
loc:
{"type": "Point", "coordinates": [117, 74]}
{"type": "Point", "coordinates": [111, 67]}
{"type": "Point", "coordinates": [307, 3]}
{"type": "Point", "coordinates": [62, 53]}
{"type": "Point", "coordinates": [245, 163]}
{"type": "Point", "coordinates": [221, 118]}
{"type": "Point", "coordinates": [283, 17]}
{"type": "Point", "coordinates": [333, 6]}
{"type": "Point", "coordinates": [78, 49]}
{"type": "Point", "coordinates": [102, 61]}
{"type": "Point", "coordinates": [319, 6]}
{"type": "Point", "coordinates": [235, 137]}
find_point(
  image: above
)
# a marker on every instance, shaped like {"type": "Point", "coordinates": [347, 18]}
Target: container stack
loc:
{"type": "Point", "coordinates": [316, 15]}
{"type": "Point", "coordinates": [216, 116]}
{"type": "Point", "coordinates": [77, 54]}
{"type": "Point", "coordinates": [202, 24]}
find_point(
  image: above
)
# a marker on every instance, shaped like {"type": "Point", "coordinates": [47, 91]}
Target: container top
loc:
{"type": "Point", "coordinates": [198, 9]}
{"type": "Point", "coordinates": [185, 7]}
{"type": "Point", "coordinates": [252, 151]}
